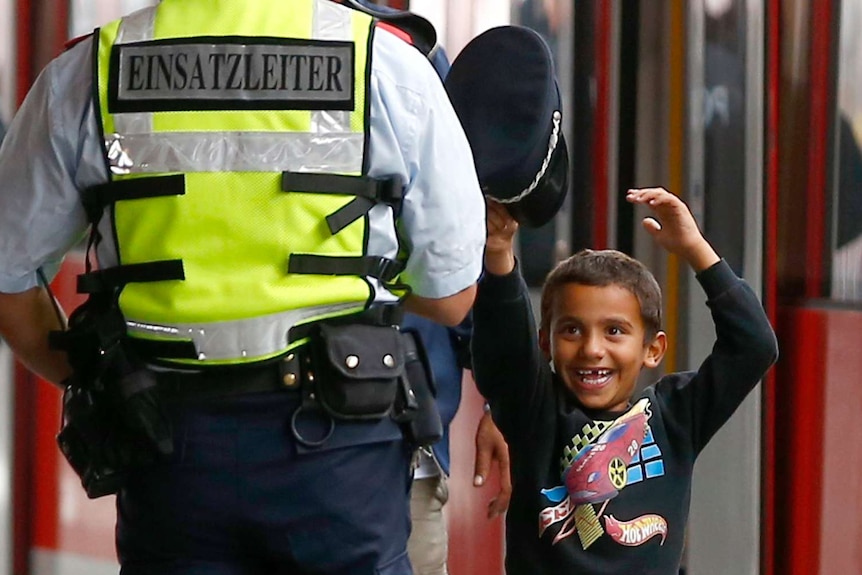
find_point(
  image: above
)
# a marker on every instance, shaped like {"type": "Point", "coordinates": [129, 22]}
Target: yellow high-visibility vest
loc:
{"type": "Point", "coordinates": [236, 139]}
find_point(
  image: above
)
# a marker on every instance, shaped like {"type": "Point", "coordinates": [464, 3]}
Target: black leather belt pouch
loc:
{"type": "Point", "coordinates": [357, 370]}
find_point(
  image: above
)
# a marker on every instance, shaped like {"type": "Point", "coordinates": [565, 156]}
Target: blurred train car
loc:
{"type": "Point", "coordinates": [749, 109]}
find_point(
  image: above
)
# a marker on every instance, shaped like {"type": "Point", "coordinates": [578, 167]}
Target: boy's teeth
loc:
{"type": "Point", "coordinates": [594, 376]}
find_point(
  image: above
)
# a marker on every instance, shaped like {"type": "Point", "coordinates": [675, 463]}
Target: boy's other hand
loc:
{"type": "Point", "coordinates": [499, 251]}
{"type": "Point", "coordinates": [491, 447]}
{"type": "Point", "coordinates": [674, 227]}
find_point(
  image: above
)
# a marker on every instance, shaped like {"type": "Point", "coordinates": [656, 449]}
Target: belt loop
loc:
{"type": "Point", "coordinates": [290, 370]}
{"type": "Point", "coordinates": [309, 399]}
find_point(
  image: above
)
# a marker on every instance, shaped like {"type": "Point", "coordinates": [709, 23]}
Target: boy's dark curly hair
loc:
{"type": "Point", "coordinates": [602, 268]}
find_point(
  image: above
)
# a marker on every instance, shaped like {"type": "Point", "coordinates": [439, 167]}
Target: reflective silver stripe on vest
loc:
{"type": "Point", "coordinates": [330, 146]}
{"type": "Point", "coordinates": [243, 152]}
{"type": "Point", "coordinates": [332, 22]}
{"type": "Point", "coordinates": [238, 339]}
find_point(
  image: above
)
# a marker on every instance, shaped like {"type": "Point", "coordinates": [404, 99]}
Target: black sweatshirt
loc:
{"type": "Point", "coordinates": [601, 492]}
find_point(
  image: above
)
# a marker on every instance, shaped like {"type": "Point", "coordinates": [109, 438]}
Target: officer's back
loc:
{"type": "Point", "coordinates": [264, 182]}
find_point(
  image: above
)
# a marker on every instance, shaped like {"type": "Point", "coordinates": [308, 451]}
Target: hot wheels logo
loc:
{"type": "Point", "coordinates": [637, 531]}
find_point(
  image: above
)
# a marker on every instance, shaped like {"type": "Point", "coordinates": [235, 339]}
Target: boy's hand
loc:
{"type": "Point", "coordinates": [499, 251]}
{"type": "Point", "coordinates": [492, 447]}
{"type": "Point", "coordinates": [674, 227]}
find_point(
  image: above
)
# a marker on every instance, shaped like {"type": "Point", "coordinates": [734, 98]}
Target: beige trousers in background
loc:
{"type": "Point", "coordinates": [428, 546]}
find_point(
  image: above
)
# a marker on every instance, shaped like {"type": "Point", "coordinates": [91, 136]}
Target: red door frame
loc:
{"type": "Point", "coordinates": [820, 76]}
{"type": "Point", "coordinates": [25, 401]}
{"type": "Point", "coordinates": [36, 411]}
{"type": "Point", "coordinates": [603, 14]}
{"type": "Point", "coordinates": [770, 279]}
{"type": "Point", "coordinates": [809, 337]}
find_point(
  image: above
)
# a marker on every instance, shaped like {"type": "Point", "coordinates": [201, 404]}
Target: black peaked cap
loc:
{"type": "Point", "coordinates": [503, 88]}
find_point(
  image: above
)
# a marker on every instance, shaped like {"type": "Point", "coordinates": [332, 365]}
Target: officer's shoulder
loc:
{"type": "Point", "coordinates": [394, 30]}
{"type": "Point", "coordinates": [394, 47]}
{"type": "Point", "coordinates": [414, 29]}
{"type": "Point", "coordinates": [76, 40]}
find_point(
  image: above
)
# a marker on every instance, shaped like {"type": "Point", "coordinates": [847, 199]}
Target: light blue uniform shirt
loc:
{"type": "Point", "coordinates": [53, 150]}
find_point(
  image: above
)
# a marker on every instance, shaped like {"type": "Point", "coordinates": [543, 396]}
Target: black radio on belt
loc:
{"type": "Point", "coordinates": [82, 440]}
{"type": "Point", "coordinates": [112, 418]}
{"type": "Point", "coordinates": [423, 427]}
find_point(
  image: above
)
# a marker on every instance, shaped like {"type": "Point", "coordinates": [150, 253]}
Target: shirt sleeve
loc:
{"type": "Point", "coordinates": [508, 366]}
{"type": "Point", "coordinates": [415, 132]}
{"type": "Point", "coordinates": [745, 347]}
{"type": "Point", "coordinates": [50, 152]}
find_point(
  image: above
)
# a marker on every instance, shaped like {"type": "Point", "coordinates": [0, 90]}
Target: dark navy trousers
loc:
{"type": "Point", "coordinates": [240, 496]}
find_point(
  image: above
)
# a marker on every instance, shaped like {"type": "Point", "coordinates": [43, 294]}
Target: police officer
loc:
{"type": "Point", "coordinates": [260, 180]}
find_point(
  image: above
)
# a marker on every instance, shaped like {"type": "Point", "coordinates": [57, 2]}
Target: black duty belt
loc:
{"type": "Point", "coordinates": [283, 374]}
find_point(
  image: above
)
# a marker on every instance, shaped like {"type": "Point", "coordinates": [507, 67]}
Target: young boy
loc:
{"type": "Point", "coordinates": [601, 475]}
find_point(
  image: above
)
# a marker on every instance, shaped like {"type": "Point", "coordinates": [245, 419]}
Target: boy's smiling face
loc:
{"type": "Point", "coordinates": [596, 339]}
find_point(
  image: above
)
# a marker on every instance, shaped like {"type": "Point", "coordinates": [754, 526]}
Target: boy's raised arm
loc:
{"type": "Point", "coordinates": [674, 227]}
{"type": "Point", "coordinates": [505, 350]}
{"type": "Point", "coordinates": [745, 345]}
{"type": "Point", "coordinates": [499, 250]}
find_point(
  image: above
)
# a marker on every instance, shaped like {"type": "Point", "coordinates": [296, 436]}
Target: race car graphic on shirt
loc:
{"type": "Point", "coordinates": [608, 456]}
